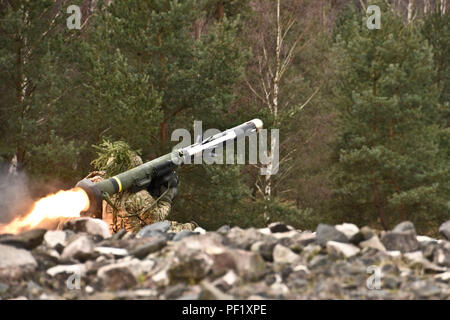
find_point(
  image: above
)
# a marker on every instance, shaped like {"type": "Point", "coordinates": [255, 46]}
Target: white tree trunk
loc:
{"type": "Point", "coordinates": [410, 10]}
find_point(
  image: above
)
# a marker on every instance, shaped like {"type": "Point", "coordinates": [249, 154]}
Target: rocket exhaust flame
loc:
{"type": "Point", "coordinates": [63, 204]}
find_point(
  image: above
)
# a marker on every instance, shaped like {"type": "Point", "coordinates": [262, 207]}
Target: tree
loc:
{"type": "Point", "coordinates": [36, 56]}
{"type": "Point", "coordinates": [387, 154]}
{"type": "Point", "coordinates": [287, 76]}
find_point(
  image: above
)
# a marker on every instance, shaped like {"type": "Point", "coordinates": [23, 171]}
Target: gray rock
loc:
{"type": "Point", "coordinates": [425, 289]}
{"type": "Point", "coordinates": [155, 229]}
{"type": "Point", "coordinates": [200, 230]}
{"type": "Point", "coordinates": [223, 229]}
{"type": "Point", "coordinates": [367, 232]}
{"type": "Point", "coordinates": [325, 233]}
{"type": "Point", "coordinates": [144, 250]}
{"type": "Point", "coordinates": [265, 249]}
{"type": "Point", "coordinates": [210, 292]}
{"type": "Point", "coordinates": [27, 240]}
{"type": "Point", "coordinates": [444, 229]}
{"type": "Point", "coordinates": [223, 261]}
{"type": "Point", "coordinates": [95, 227]}
{"type": "Point", "coordinates": [118, 278]}
{"type": "Point", "coordinates": [278, 227]}
{"type": "Point", "coordinates": [443, 277]}
{"type": "Point", "coordinates": [403, 241]}
{"type": "Point", "coordinates": [184, 234]}
{"type": "Point", "coordinates": [305, 238]}
{"type": "Point", "coordinates": [80, 249]}
{"type": "Point", "coordinates": [346, 250]}
{"type": "Point", "coordinates": [116, 252]}
{"type": "Point", "coordinates": [442, 254]}
{"type": "Point", "coordinates": [249, 265]}
{"type": "Point", "coordinates": [374, 242]}
{"type": "Point", "coordinates": [133, 265]}
{"type": "Point", "coordinates": [244, 239]}
{"type": "Point", "coordinates": [227, 281]}
{"type": "Point", "coordinates": [190, 267]}
{"type": "Point", "coordinates": [405, 226]}
{"type": "Point", "coordinates": [11, 257]}
{"type": "Point", "coordinates": [119, 234]}
{"type": "Point", "coordinates": [55, 239]}
{"type": "Point", "coordinates": [349, 229]}
{"type": "Point", "coordinates": [68, 269]}
{"type": "Point", "coordinates": [417, 258]}
{"type": "Point", "coordinates": [284, 255]}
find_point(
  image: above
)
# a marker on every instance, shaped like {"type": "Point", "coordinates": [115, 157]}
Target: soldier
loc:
{"type": "Point", "coordinates": [132, 211]}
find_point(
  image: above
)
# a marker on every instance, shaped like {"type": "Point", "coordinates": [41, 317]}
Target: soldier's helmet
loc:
{"type": "Point", "coordinates": [116, 157]}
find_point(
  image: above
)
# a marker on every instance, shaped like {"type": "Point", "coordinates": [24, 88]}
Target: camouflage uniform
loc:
{"type": "Point", "coordinates": [132, 211]}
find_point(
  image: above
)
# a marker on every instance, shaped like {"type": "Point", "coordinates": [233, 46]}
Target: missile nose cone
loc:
{"type": "Point", "coordinates": [258, 124]}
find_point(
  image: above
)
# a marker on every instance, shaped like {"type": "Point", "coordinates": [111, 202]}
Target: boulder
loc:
{"type": "Point", "coordinates": [442, 254]}
{"type": "Point", "coordinates": [265, 249]}
{"type": "Point", "coordinates": [244, 239]}
{"type": "Point", "coordinates": [55, 239]}
{"type": "Point", "coordinates": [26, 240]}
{"type": "Point", "coordinates": [403, 241]}
{"type": "Point", "coordinates": [374, 242]}
{"type": "Point", "coordinates": [116, 252]}
{"type": "Point", "coordinates": [133, 265]}
{"type": "Point", "coordinates": [95, 227]}
{"type": "Point", "coordinates": [190, 266]}
{"type": "Point", "coordinates": [145, 249]}
{"type": "Point", "coordinates": [417, 258]}
{"type": "Point", "coordinates": [69, 269]}
{"type": "Point", "coordinates": [200, 230]}
{"type": "Point", "coordinates": [278, 227]}
{"type": "Point", "coordinates": [80, 249]}
{"type": "Point", "coordinates": [184, 234]}
{"type": "Point", "coordinates": [346, 250]}
{"type": "Point", "coordinates": [118, 278]}
{"type": "Point", "coordinates": [210, 292]}
{"type": "Point", "coordinates": [349, 229]}
{"type": "Point", "coordinates": [283, 255]}
{"type": "Point", "coordinates": [305, 238]}
{"type": "Point", "coordinates": [444, 229]}
{"type": "Point", "coordinates": [249, 265]}
{"type": "Point", "coordinates": [154, 229]}
{"type": "Point", "coordinates": [325, 233]}
{"type": "Point", "coordinates": [223, 229]}
{"type": "Point", "coordinates": [11, 257]}
{"type": "Point", "coordinates": [405, 226]}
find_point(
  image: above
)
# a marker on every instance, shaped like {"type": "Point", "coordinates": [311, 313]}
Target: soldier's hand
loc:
{"type": "Point", "coordinates": [169, 182]}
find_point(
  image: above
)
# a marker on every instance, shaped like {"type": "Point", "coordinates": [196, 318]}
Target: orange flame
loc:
{"type": "Point", "coordinates": [63, 204]}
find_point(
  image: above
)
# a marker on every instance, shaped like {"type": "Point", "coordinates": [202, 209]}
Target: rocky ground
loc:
{"type": "Point", "coordinates": [83, 261]}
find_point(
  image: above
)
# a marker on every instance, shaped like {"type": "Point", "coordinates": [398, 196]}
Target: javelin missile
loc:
{"type": "Point", "coordinates": [142, 176]}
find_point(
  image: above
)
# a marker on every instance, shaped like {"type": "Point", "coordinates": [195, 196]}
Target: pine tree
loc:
{"type": "Point", "coordinates": [36, 58]}
{"type": "Point", "coordinates": [388, 163]}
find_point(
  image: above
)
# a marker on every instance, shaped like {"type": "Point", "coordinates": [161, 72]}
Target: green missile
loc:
{"type": "Point", "coordinates": [142, 176]}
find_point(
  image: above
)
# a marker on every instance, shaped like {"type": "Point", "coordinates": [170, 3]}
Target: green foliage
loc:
{"type": "Point", "coordinates": [114, 157]}
{"type": "Point", "coordinates": [388, 164]}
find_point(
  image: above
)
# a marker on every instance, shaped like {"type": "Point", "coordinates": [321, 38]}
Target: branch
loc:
{"type": "Point", "coordinates": [306, 102]}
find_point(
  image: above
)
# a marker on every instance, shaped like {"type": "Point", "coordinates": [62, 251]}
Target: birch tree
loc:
{"type": "Point", "coordinates": [282, 31]}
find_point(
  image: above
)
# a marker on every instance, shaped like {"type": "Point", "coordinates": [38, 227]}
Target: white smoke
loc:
{"type": "Point", "coordinates": [15, 197]}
